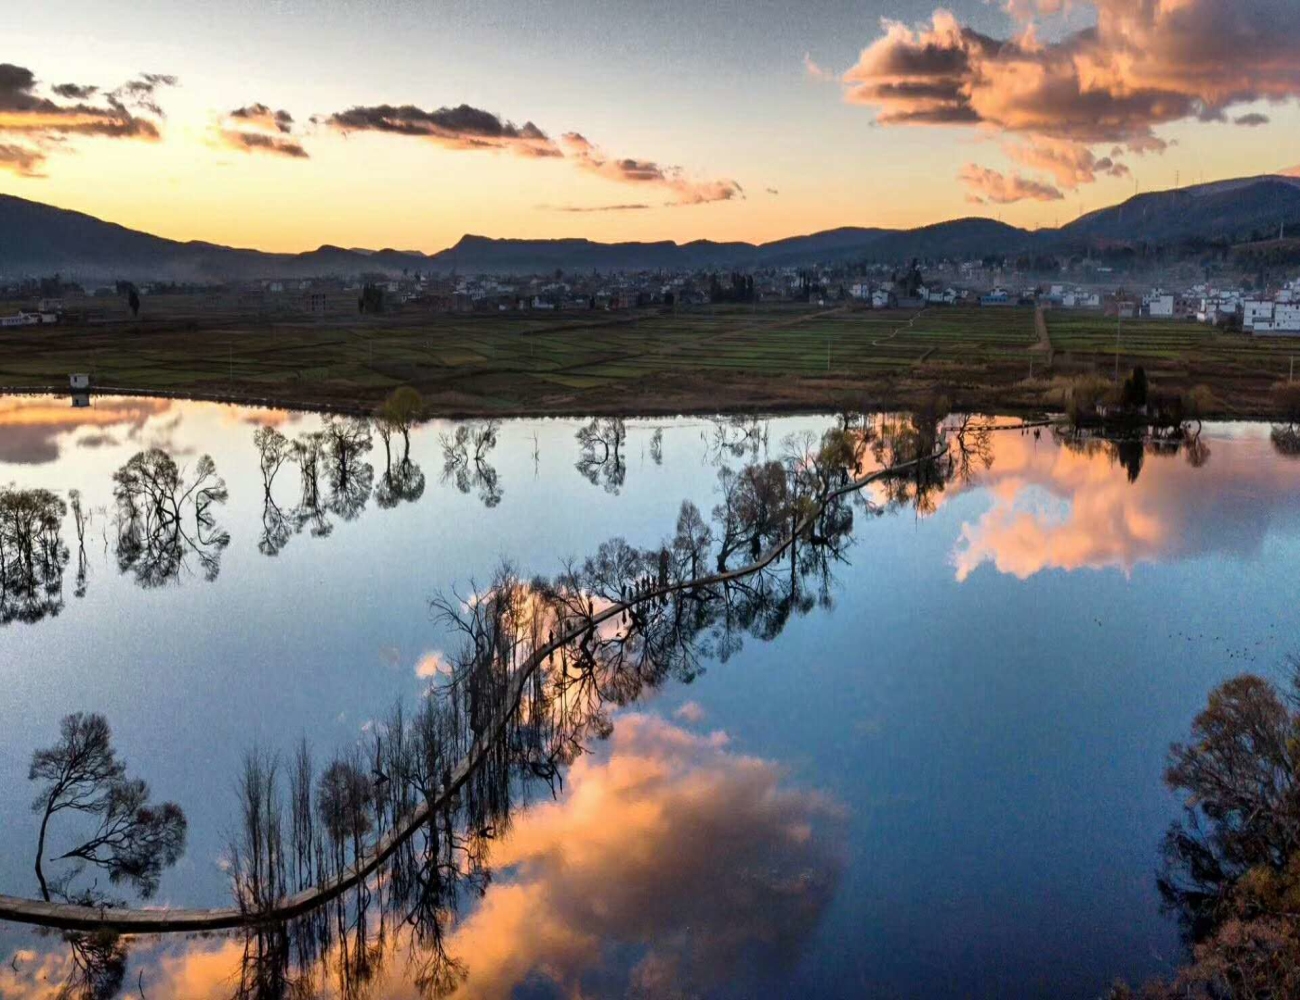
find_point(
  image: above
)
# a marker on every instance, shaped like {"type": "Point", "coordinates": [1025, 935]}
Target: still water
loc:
{"type": "Point", "coordinates": [936, 771]}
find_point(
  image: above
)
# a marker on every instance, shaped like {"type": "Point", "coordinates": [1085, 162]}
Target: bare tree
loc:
{"type": "Point", "coordinates": [33, 556]}
{"type": "Point", "coordinates": [133, 840]}
{"type": "Point", "coordinates": [601, 459]}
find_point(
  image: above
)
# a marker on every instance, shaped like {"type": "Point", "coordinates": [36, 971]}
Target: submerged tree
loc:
{"type": "Point", "coordinates": [163, 518]}
{"type": "Point", "coordinates": [399, 412]}
{"type": "Point", "coordinates": [273, 451]}
{"type": "Point", "coordinates": [33, 556]}
{"type": "Point", "coordinates": [601, 461]}
{"type": "Point", "coordinates": [465, 454]}
{"type": "Point", "coordinates": [133, 840]}
{"type": "Point", "coordinates": [350, 476]}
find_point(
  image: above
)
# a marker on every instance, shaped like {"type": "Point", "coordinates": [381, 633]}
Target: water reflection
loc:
{"type": "Point", "coordinates": [1059, 505]}
{"type": "Point", "coordinates": [31, 429]}
{"type": "Point", "coordinates": [33, 555]}
{"type": "Point", "coordinates": [542, 668]}
{"type": "Point", "coordinates": [601, 461]}
{"type": "Point", "coordinates": [465, 454]}
{"type": "Point", "coordinates": [165, 517]}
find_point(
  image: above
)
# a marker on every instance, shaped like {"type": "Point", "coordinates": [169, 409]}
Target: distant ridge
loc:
{"type": "Point", "coordinates": [40, 240]}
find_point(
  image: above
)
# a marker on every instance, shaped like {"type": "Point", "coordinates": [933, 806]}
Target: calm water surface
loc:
{"type": "Point", "coordinates": [942, 779]}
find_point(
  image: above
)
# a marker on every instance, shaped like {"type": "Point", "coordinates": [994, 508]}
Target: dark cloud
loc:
{"type": "Point", "coordinates": [21, 160]}
{"type": "Point", "coordinates": [262, 117]}
{"type": "Point", "coordinates": [461, 127]}
{"type": "Point", "coordinates": [74, 91]}
{"type": "Point", "coordinates": [25, 112]}
{"type": "Point", "coordinates": [258, 128]}
{"type": "Point", "coordinates": [1252, 120]}
{"type": "Point", "coordinates": [260, 142]}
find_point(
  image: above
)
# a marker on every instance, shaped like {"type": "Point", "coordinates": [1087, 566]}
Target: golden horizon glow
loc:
{"type": "Point", "coordinates": [281, 136]}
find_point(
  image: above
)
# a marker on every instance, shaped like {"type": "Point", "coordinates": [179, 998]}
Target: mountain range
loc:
{"type": "Point", "coordinates": [38, 240]}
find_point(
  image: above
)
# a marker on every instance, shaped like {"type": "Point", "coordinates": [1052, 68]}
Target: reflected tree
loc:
{"type": "Point", "coordinates": [1286, 439]}
{"type": "Point", "coordinates": [163, 518]}
{"type": "Point", "coordinates": [350, 476]}
{"type": "Point", "coordinates": [33, 556]}
{"type": "Point", "coordinates": [80, 519]}
{"type": "Point", "coordinates": [274, 450]}
{"type": "Point", "coordinates": [309, 455]}
{"type": "Point", "coordinates": [465, 455]}
{"type": "Point", "coordinates": [402, 481]}
{"type": "Point", "coordinates": [132, 840]}
{"type": "Point", "coordinates": [399, 412]}
{"type": "Point", "coordinates": [601, 461]}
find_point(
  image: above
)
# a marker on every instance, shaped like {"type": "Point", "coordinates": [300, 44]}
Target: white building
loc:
{"type": "Point", "coordinates": [1254, 311]}
{"type": "Point", "coordinates": [1285, 320]}
{"type": "Point", "coordinates": [1161, 306]}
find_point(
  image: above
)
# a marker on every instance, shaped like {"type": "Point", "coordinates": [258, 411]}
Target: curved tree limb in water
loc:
{"type": "Point", "coordinates": [162, 921]}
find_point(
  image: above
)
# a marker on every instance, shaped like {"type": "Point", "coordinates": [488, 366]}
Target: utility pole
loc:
{"type": "Point", "coordinates": [1119, 319]}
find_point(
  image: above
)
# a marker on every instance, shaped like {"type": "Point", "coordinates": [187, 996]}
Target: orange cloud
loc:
{"type": "Point", "coordinates": [1057, 508]}
{"type": "Point", "coordinates": [30, 426]}
{"type": "Point", "coordinates": [693, 857]}
{"type": "Point", "coordinates": [671, 862]}
{"type": "Point", "coordinates": [1069, 163]}
{"type": "Point", "coordinates": [629, 171]}
{"type": "Point", "coordinates": [1143, 65]}
{"type": "Point", "coordinates": [256, 128]}
{"type": "Point", "coordinates": [1003, 189]}
{"type": "Point", "coordinates": [20, 160]}
{"type": "Point", "coordinates": [45, 121]}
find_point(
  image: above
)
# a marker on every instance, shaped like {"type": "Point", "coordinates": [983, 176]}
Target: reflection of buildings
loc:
{"type": "Point", "coordinates": [80, 400]}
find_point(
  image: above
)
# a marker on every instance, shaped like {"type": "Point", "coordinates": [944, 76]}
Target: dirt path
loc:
{"type": "Point", "coordinates": [1044, 345]}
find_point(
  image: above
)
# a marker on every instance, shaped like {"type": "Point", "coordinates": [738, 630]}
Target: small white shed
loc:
{"type": "Point", "coordinates": [79, 381]}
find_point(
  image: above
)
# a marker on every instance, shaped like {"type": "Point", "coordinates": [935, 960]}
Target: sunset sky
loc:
{"type": "Point", "coordinates": [285, 125]}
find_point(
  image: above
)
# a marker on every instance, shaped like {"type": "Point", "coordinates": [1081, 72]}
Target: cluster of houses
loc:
{"type": "Point", "coordinates": [1268, 313]}
{"type": "Point", "coordinates": [46, 311]}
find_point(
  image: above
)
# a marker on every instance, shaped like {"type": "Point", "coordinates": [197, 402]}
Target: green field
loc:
{"type": "Point", "coordinates": [715, 357]}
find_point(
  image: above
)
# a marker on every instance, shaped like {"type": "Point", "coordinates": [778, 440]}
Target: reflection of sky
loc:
{"type": "Point", "coordinates": [1056, 508]}
{"type": "Point", "coordinates": [997, 743]}
{"type": "Point", "coordinates": [668, 861]}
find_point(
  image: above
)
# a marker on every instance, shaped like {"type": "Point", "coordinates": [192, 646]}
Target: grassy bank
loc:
{"type": "Point", "coordinates": [722, 358]}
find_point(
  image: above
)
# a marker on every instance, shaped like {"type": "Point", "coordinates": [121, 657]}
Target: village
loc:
{"type": "Point", "coordinates": [1240, 306]}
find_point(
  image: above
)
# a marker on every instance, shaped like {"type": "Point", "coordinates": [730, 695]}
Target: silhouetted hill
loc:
{"type": "Point", "coordinates": [1236, 211]}
{"type": "Point", "coordinates": [41, 240]}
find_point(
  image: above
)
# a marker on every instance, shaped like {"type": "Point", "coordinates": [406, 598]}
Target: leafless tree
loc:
{"type": "Point", "coordinates": [133, 840]}
{"type": "Point", "coordinates": [601, 460]}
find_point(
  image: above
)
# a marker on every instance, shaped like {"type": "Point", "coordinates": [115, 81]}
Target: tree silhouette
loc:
{"type": "Point", "coordinates": [133, 840]}
{"type": "Point", "coordinates": [601, 461]}
{"type": "Point", "coordinates": [33, 556]}
{"type": "Point", "coordinates": [465, 455]}
{"type": "Point", "coordinates": [164, 518]}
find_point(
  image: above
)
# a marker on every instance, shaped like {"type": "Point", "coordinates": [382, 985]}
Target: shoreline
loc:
{"type": "Point", "coordinates": [811, 403]}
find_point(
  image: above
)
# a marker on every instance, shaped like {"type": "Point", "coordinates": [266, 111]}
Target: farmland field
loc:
{"type": "Point", "coordinates": [777, 356]}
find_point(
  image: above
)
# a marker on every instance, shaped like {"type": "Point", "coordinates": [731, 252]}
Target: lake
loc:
{"type": "Point", "coordinates": [923, 759]}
